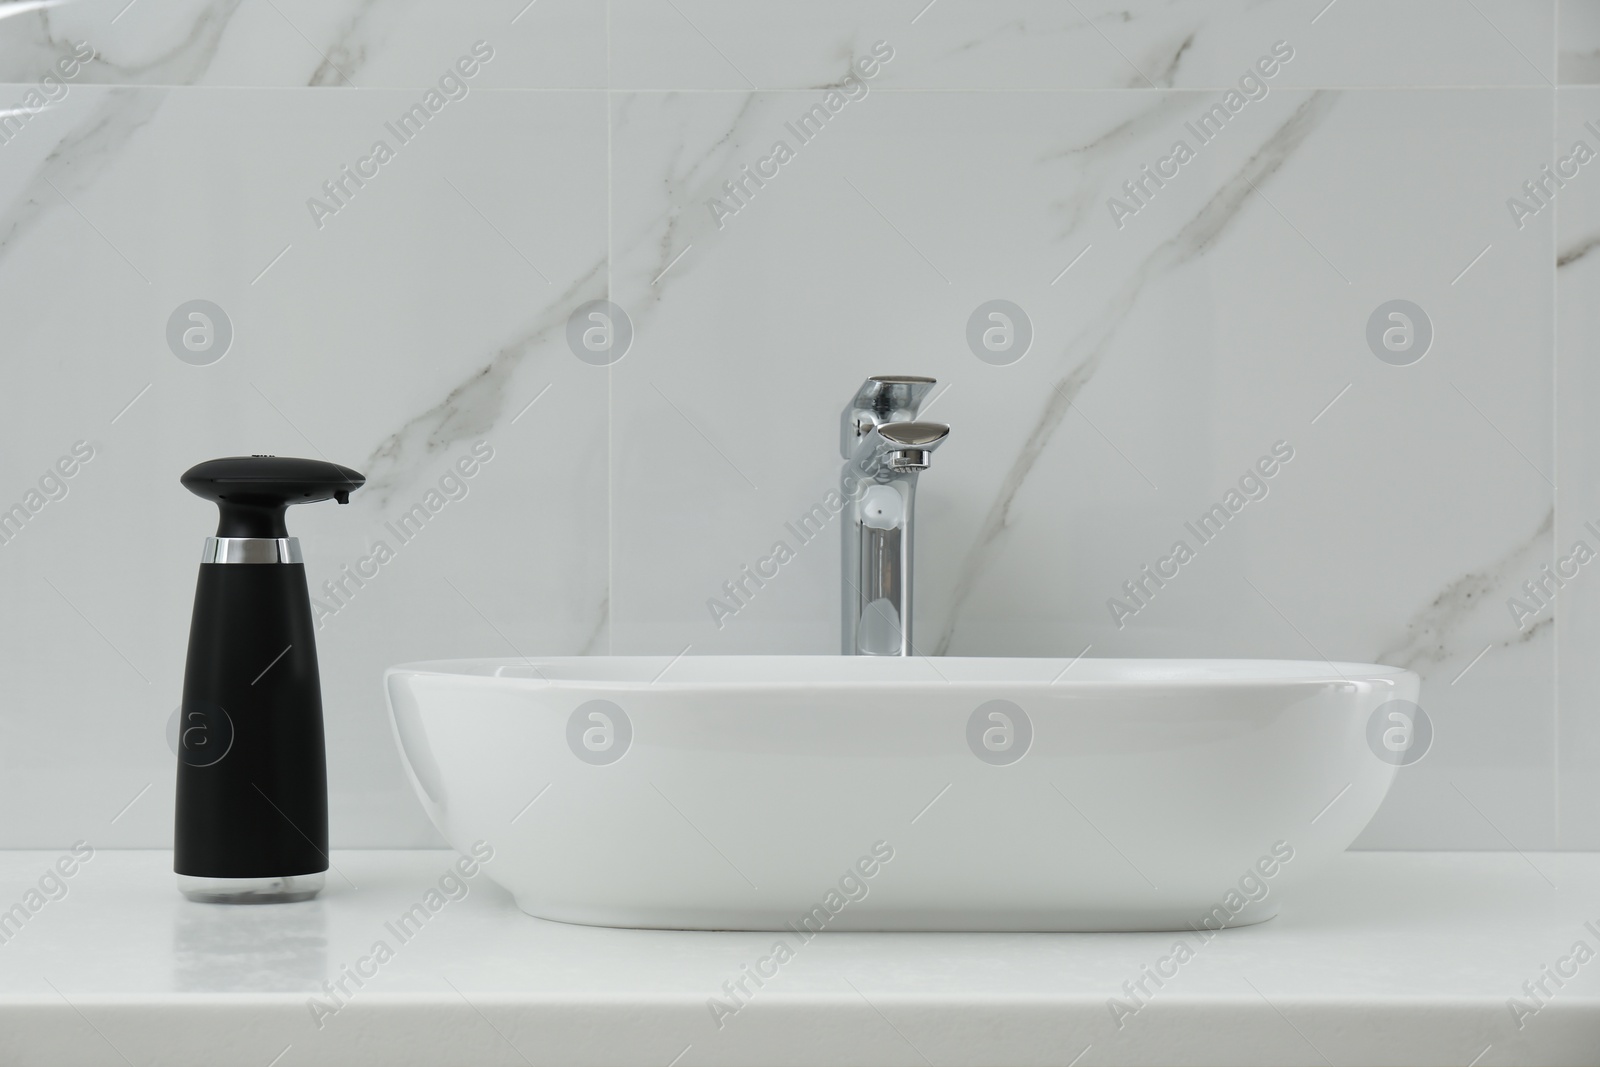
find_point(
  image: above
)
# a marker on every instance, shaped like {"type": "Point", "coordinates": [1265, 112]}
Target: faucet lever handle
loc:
{"type": "Point", "coordinates": [882, 398]}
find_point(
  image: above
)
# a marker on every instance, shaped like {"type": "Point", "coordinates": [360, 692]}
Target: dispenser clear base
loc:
{"type": "Point", "coordinates": [282, 890]}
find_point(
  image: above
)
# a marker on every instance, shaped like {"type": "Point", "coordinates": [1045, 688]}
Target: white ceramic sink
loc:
{"type": "Point", "coordinates": [820, 792]}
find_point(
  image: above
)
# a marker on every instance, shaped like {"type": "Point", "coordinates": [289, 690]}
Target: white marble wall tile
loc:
{"type": "Point", "coordinates": [1578, 35]}
{"type": "Point", "coordinates": [1170, 352]}
{"type": "Point", "coordinates": [1221, 318]}
{"type": "Point", "coordinates": [548, 44]}
{"type": "Point", "coordinates": [1048, 44]}
{"type": "Point", "coordinates": [1577, 601]}
{"type": "Point", "coordinates": [418, 320]}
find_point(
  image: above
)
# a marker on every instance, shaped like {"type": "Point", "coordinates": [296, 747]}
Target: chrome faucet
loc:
{"type": "Point", "coordinates": [884, 447]}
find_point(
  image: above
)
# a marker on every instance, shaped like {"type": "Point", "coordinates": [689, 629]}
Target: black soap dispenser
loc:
{"type": "Point", "coordinates": [252, 805]}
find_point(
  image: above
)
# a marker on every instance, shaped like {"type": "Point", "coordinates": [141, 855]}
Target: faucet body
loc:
{"type": "Point", "coordinates": [885, 448]}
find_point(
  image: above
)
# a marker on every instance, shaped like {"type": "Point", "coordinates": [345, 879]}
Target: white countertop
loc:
{"type": "Point", "coordinates": [1391, 958]}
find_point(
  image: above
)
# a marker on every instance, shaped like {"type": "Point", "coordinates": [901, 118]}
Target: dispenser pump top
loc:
{"type": "Point", "coordinates": [252, 492]}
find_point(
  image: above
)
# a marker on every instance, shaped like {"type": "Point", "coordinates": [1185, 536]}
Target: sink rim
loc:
{"type": "Point", "coordinates": [801, 671]}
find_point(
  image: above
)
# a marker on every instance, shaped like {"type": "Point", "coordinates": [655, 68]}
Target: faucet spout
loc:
{"type": "Point", "coordinates": [885, 448]}
{"type": "Point", "coordinates": [898, 447]}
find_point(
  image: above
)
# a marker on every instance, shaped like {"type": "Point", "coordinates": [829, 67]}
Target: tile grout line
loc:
{"type": "Point", "coordinates": [1555, 421]}
{"type": "Point", "coordinates": [945, 90]}
{"type": "Point", "coordinates": [610, 370]}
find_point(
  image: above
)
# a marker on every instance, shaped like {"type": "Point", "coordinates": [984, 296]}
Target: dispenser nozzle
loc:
{"type": "Point", "coordinates": [252, 492]}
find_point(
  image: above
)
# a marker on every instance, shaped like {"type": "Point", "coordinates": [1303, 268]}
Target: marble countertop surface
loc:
{"type": "Point", "coordinates": [1392, 958]}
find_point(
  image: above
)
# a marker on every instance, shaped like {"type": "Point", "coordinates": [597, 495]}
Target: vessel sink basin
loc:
{"type": "Point", "coordinates": [805, 793]}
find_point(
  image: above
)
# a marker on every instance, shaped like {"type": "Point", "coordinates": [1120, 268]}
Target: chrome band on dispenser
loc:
{"type": "Point", "coordinates": [251, 550]}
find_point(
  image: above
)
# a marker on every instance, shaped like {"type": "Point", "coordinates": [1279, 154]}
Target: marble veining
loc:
{"type": "Point", "coordinates": [26, 55]}
{"type": "Point", "coordinates": [472, 407]}
{"type": "Point", "coordinates": [598, 641]}
{"type": "Point", "coordinates": [1432, 634]}
{"type": "Point", "coordinates": [691, 179]}
{"type": "Point", "coordinates": [1099, 155]}
{"type": "Point", "coordinates": [1160, 58]}
{"type": "Point", "coordinates": [1577, 251]}
{"type": "Point", "coordinates": [1169, 69]}
{"type": "Point", "coordinates": [79, 160]}
{"type": "Point", "coordinates": [1189, 242]}
{"type": "Point", "coordinates": [344, 57]}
